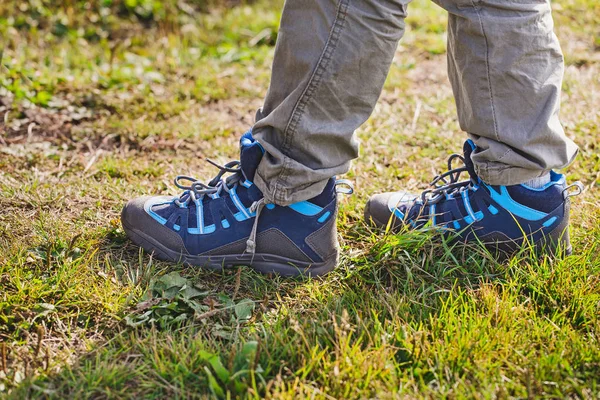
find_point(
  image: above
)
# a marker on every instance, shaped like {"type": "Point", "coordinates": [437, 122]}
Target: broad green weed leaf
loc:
{"type": "Point", "coordinates": [244, 309]}
{"type": "Point", "coordinates": [190, 292]}
{"type": "Point", "coordinates": [173, 279]}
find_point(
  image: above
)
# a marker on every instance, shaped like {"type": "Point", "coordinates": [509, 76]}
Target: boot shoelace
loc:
{"type": "Point", "coordinates": [453, 186]}
{"type": "Point", "coordinates": [197, 190]}
{"type": "Point", "coordinates": [447, 184]}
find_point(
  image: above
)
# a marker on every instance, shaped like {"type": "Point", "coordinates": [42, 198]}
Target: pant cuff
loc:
{"type": "Point", "coordinates": [506, 175]}
{"type": "Point", "coordinates": [281, 193]}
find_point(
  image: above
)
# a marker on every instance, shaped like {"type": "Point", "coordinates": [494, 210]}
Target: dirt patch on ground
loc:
{"type": "Point", "coordinates": [27, 123]}
{"type": "Point", "coordinates": [83, 129]}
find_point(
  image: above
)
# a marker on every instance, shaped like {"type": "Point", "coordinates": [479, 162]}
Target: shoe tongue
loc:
{"type": "Point", "coordinates": [251, 152]}
{"type": "Point", "coordinates": [468, 149]}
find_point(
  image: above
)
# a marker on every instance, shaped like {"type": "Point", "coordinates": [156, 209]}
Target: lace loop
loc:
{"type": "Point", "coordinates": [578, 186]}
{"type": "Point", "coordinates": [257, 208]}
{"type": "Point", "coordinates": [344, 186]}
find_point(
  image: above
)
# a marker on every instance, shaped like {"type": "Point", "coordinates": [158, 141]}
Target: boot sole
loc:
{"type": "Point", "coordinates": [263, 263]}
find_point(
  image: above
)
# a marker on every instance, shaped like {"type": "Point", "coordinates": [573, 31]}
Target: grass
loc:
{"type": "Point", "coordinates": [92, 119]}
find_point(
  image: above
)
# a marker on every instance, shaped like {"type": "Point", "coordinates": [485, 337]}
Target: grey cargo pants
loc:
{"type": "Point", "coordinates": [332, 58]}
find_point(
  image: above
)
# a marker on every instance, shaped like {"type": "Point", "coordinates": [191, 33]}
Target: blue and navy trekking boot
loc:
{"type": "Point", "coordinates": [503, 218]}
{"type": "Point", "coordinates": [226, 223]}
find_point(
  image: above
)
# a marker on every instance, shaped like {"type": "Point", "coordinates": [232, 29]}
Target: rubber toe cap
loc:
{"type": "Point", "coordinates": [145, 231]}
{"type": "Point", "coordinates": [377, 211]}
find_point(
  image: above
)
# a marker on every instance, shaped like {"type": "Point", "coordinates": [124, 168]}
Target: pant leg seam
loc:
{"type": "Point", "coordinates": [488, 72]}
{"type": "Point", "coordinates": [311, 87]}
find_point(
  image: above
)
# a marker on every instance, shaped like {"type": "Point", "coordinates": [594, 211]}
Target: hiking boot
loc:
{"type": "Point", "coordinates": [503, 218]}
{"type": "Point", "coordinates": [227, 223]}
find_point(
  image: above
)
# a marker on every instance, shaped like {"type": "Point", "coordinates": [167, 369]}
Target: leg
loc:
{"type": "Point", "coordinates": [506, 67]}
{"type": "Point", "coordinates": [331, 61]}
